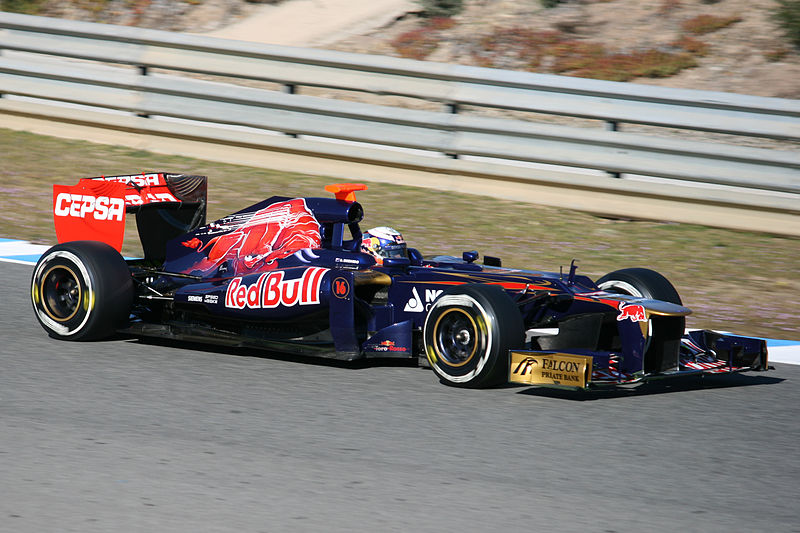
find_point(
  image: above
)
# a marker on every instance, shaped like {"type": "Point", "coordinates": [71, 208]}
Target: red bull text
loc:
{"type": "Point", "coordinates": [271, 290]}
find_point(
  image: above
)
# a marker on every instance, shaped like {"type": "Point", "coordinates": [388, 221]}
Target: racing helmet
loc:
{"type": "Point", "coordinates": [383, 242]}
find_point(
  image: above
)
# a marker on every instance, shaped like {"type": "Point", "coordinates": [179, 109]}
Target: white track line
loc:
{"type": "Point", "coordinates": [23, 252]}
{"type": "Point", "coordinates": [788, 354]}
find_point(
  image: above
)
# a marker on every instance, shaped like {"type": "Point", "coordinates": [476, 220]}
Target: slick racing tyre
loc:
{"type": "Point", "coordinates": [641, 283]}
{"type": "Point", "coordinates": [467, 335]}
{"type": "Point", "coordinates": [645, 283]}
{"type": "Point", "coordinates": [81, 290]}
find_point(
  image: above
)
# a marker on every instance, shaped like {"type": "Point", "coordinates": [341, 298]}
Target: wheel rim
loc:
{"type": "Point", "coordinates": [456, 337]}
{"type": "Point", "coordinates": [61, 293]}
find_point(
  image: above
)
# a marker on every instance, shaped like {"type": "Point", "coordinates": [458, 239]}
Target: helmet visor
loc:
{"type": "Point", "coordinates": [393, 250]}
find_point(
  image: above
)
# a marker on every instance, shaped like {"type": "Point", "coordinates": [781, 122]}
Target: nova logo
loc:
{"type": "Point", "coordinates": [81, 206]}
{"type": "Point", "coordinates": [415, 304]}
{"type": "Point", "coordinates": [432, 294]}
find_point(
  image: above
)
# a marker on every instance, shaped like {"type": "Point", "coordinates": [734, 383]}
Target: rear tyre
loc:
{"type": "Point", "coordinates": [468, 333]}
{"type": "Point", "coordinates": [81, 290]}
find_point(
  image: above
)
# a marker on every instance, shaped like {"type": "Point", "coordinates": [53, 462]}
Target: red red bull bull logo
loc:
{"type": "Point", "coordinates": [271, 233]}
{"type": "Point", "coordinates": [271, 290]}
{"type": "Point", "coordinates": [370, 243]}
{"type": "Point", "coordinates": [633, 312]}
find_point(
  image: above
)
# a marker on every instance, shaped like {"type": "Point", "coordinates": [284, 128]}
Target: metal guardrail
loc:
{"type": "Point", "coordinates": [143, 92]}
{"type": "Point", "coordinates": [423, 130]}
{"type": "Point", "coordinates": [450, 84]}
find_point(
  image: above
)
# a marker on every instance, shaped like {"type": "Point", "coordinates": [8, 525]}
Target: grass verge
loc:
{"type": "Point", "coordinates": [735, 281]}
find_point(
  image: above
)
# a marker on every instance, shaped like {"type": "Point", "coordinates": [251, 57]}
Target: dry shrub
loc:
{"type": "Point", "coordinates": [787, 14]}
{"type": "Point", "coordinates": [668, 6]}
{"type": "Point", "coordinates": [691, 45]}
{"type": "Point", "coordinates": [641, 64]}
{"type": "Point", "coordinates": [30, 7]}
{"type": "Point", "coordinates": [415, 44]}
{"type": "Point", "coordinates": [776, 54]}
{"type": "Point", "coordinates": [441, 23]}
{"type": "Point", "coordinates": [552, 51]}
{"type": "Point", "coordinates": [441, 8]}
{"type": "Point", "coordinates": [702, 24]}
{"type": "Point", "coordinates": [515, 46]}
{"type": "Point", "coordinates": [421, 42]}
{"type": "Point", "coordinates": [575, 55]}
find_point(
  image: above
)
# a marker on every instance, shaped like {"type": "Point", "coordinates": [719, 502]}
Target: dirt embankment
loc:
{"type": "Point", "coordinates": [749, 55]}
{"type": "Point", "coordinates": [170, 15]}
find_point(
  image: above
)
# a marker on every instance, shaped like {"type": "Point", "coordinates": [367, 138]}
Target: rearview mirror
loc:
{"type": "Point", "coordinates": [415, 256]}
{"type": "Point", "coordinates": [396, 262]}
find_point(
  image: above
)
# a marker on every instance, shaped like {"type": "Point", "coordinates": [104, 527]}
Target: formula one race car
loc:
{"type": "Point", "coordinates": [298, 275]}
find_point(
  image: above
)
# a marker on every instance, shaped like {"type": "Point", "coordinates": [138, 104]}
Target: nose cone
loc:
{"type": "Point", "coordinates": [658, 307]}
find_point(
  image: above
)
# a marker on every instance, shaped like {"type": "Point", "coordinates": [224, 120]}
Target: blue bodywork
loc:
{"type": "Point", "coordinates": [287, 274]}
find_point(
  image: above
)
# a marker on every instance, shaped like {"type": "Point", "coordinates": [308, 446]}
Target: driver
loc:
{"type": "Point", "coordinates": [383, 242]}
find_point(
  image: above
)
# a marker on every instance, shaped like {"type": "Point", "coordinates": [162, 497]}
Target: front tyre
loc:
{"type": "Point", "coordinates": [641, 283]}
{"type": "Point", "coordinates": [468, 333]}
{"type": "Point", "coordinates": [81, 290]}
{"type": "Point", "coordinates": [663, 336]}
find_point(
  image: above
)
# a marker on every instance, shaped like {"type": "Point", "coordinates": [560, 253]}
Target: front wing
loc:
{"type": "Point", "coordinates": [701, 352]}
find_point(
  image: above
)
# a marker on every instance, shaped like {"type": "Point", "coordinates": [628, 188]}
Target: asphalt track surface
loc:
{"type": "Point", "coordinates": [126, 436]}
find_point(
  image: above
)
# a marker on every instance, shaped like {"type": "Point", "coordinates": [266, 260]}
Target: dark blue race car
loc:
{"type": "Point", "coordinates": [299, 275]}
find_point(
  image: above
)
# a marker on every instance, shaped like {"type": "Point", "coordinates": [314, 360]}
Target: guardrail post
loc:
{"type": "Point", "coordinates": [613, 125]}
{"type": "Point", "coordinates": [452, 108]}
{"type": "Point", "coordinates": [143, 72]}
{"type": "Point", "coordinates": [290, 88]}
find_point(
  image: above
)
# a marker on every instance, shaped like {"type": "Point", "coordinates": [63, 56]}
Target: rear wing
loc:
{"type": "Point", "coordinates": [165, 205]}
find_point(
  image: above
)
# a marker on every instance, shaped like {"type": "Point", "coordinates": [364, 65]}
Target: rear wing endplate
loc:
{"type": "Point", "coordinates": [166, 206]}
